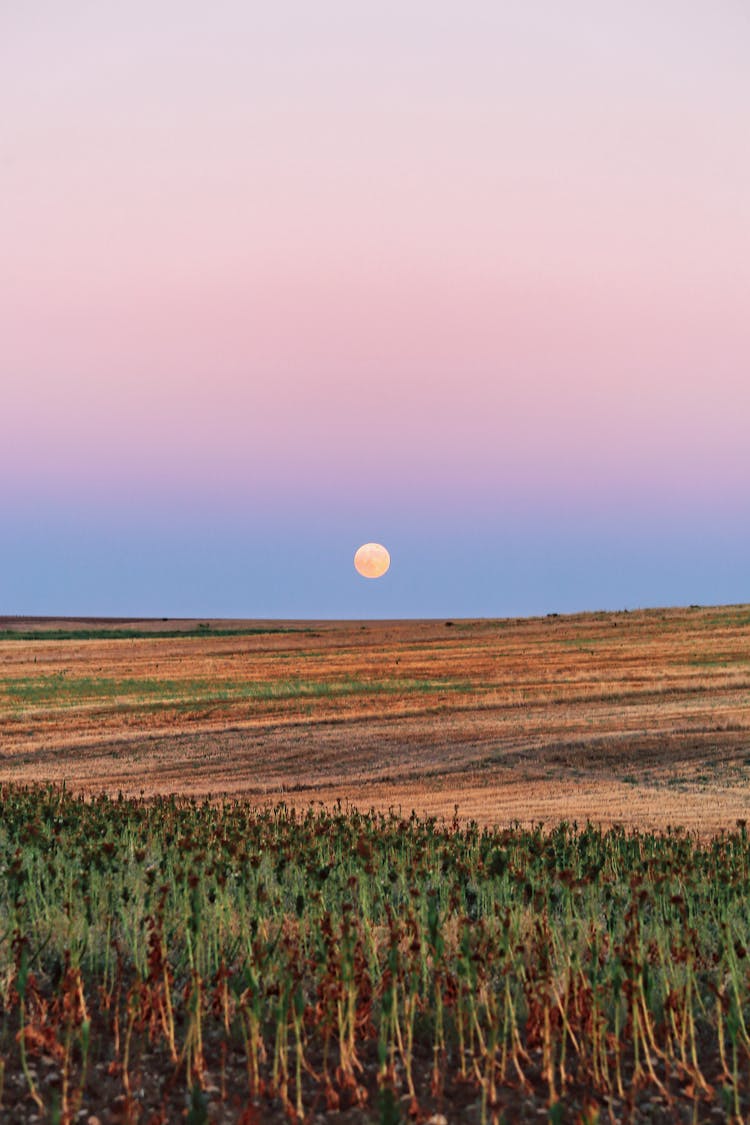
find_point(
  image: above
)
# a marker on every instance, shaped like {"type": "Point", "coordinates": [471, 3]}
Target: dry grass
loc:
{"type": "Point", "coordinates": [642, 718]}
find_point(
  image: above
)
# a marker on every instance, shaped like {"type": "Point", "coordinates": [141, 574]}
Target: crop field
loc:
{"type": "Point", "coordinates": [173, 960]}
{"type": "Point", "coordinates": [634, 718]}
{"type": "Point", "coordinates": [470, 871]}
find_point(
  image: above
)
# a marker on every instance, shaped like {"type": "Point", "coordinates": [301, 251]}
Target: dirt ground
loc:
{"type": "Point", "coordinates": [640, 718]}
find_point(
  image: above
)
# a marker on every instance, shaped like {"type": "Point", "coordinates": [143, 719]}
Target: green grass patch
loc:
{"type": "Point", "coordinates": [138, 634]}
{"type": "Point", "coordinates": [726, 660]}
{"type": "Point", "coordinates": [66, 691]}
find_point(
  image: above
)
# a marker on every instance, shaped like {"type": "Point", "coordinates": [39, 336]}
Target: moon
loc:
{"type": "Point", "coordinates": [372, 560]}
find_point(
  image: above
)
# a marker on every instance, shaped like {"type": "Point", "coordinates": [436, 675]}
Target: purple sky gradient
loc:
{"type": "Point", "coordinates": [276, 280]}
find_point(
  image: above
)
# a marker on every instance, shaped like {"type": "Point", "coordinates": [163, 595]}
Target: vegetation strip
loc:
{"type": "Point", "coordinates": [69, 690]}
{"type": "Point", "coordinates": [138, 634]}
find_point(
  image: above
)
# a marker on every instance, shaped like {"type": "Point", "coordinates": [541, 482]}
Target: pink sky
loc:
{"type": "Point", "coordinates": [400, 254]}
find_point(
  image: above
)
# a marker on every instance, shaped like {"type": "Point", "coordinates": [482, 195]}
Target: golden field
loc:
{"type": "Point", "coordinates": [640, 718]}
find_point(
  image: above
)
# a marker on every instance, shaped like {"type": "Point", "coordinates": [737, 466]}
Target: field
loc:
{"type": "Point", "coordinates": [474, 871]}
{"type": "Point", "coordinates": [172, 960]}
{"type": "Point", "coordinates": [633, 718]}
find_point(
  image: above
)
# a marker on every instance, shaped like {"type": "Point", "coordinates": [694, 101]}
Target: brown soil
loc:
{"type": "Point", "coordinates": [641, 718]}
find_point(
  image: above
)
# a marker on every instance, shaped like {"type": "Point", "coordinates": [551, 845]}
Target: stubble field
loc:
{"type": "Point", "coordinates": [636, 718]}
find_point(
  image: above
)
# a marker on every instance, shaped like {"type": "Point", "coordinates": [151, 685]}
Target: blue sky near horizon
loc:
{"type": "Point", "coordinates": [514, 567]}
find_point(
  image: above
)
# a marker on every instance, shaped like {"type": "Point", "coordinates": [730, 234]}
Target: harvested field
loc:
{"type": "Point", "coordinates": [641, 718]}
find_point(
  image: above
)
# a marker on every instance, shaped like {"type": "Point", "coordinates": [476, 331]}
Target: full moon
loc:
{"type": "Point", "coordinates": [372, 560]}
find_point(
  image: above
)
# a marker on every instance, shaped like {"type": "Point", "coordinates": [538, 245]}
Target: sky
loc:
{"type": "Point", "coordinates": [471, 280]}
